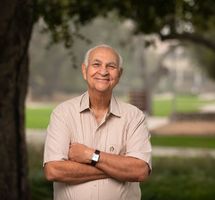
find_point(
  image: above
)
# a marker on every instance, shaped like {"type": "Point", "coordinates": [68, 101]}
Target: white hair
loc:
{"type": "Point", "coordinates": [86, 57]}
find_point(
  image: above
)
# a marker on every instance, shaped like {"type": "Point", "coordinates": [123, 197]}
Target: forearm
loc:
{"type": "Point", "coordinates": [123, 168]}
{"type": "Point", "coordinates": [72, 172]}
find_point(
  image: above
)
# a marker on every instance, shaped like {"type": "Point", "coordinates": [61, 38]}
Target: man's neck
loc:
{"type": "Point", "coordinates": [99, 101]}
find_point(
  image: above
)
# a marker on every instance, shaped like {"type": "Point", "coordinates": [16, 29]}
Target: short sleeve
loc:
{"type": "Point", "coordinates": [138, 139]}
{"type": "Point", "coordinates": [57, 138]}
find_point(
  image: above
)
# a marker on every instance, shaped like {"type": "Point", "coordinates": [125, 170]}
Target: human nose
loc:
{"type": "Point", "coordinates": [103, 71]}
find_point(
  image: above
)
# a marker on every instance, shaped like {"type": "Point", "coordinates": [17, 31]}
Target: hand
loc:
{"type": "Point", "coordinates": [80, 153]}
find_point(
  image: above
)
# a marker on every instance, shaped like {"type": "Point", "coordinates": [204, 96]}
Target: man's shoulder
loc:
{"type": "Point", "coordinates": [73, 102]}
{"type": "Point", "coordinates": [129, 109]}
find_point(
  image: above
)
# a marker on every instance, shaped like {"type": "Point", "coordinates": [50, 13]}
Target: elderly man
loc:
{"type": "Point", "coordinates": [97, 147]}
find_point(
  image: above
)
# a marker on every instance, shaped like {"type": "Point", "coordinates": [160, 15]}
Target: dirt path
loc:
{"type": "Point", "coordinates": [186, 128]}
{"type": "Point", "coordinates": [183, 152]}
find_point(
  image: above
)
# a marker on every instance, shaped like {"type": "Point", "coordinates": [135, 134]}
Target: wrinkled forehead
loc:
{"type": "Point", "coordinates": [104, 54]}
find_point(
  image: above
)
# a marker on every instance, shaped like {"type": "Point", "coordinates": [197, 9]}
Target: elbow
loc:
{"type": "Point", "coordinates": [141, 177]}
{"type": "Point", "coordinates": [49, 172]}
{"type": "Point", "coordinates": [142, 174]}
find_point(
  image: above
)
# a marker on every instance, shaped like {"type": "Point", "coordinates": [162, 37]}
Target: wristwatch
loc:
{"type": "Point", "coordinates": [95, 157]}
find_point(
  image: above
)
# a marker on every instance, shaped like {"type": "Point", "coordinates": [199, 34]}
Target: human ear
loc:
{"type": "Point", "coordinates": [84, 71]}
{"type": "Point", "coordinates": [120, 72]}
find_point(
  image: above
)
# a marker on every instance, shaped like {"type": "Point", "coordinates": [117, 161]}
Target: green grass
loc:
{"type": "Point", "coordinates": [172, 178]}
{"type": "Point", "coordinates": [38, 118]}
{"type": "Point", "coordinates": [188, 103]}
{"type": "Point", "coordinates": [183, 141]}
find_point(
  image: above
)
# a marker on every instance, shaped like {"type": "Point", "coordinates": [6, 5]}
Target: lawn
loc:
{"type": "Point", "coordinates": [38, 118]}
{"type": "Point", "coordinates": [188, 103]}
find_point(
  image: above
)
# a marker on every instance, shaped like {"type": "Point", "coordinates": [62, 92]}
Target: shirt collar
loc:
{"type": "Point", "coordinates": [85, 102]}
{"type": "Point", "coordinates": [114, 106]}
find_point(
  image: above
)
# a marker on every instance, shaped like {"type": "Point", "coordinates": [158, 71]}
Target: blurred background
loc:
{"type": "Point", "coordinates": [168, 49]}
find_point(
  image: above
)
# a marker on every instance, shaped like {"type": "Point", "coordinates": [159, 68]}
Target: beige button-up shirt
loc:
{"type": "Point", "coordinates": [122, 131]}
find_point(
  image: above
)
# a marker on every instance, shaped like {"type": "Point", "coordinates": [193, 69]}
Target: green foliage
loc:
{"type": "Point", "coordinates": [180, 179]}
{"type": "Point", "coordinates": [149, 16]}
{"type": "Point", "coordinates": [40, 188]}
{"type": "Point", "coordinates": [204, 58]}
{"type": "Point", "coordinates": [63, 17]}
{"type": "Point", "coordinates": [183, 141]}
{"type": "Point", "coordinates": [203, 17]}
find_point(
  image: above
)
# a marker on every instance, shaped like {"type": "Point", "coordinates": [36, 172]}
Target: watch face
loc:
{"type": "Point", "coordinates": [95, 157]}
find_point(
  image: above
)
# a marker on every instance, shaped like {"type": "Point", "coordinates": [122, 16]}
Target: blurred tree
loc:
{"type": "Point", "coordinates": [204, 58]}
{"type": "Point", "coordinates": [16, 26]}
{"type": "Point", "coordinates": [191, 20]}
{"type": "Point", "coordinates": [182, 20]}
{"type": "Point", "coordinates": [52, 69]}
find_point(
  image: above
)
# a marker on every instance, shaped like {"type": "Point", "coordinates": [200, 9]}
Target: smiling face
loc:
{"type": "Point", "coordinates": [103, 71]}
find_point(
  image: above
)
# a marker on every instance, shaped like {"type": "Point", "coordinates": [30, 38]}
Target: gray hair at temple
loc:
{"type": "Point", "coordinates": [86, 57]}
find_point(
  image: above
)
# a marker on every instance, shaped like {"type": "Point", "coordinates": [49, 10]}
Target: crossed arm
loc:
{"type": "Point", "coordinates": [77, 170]}
{"type": "Point", "coordinates": [71, 172]}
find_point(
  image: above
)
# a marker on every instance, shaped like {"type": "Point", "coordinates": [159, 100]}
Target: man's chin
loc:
{"type": "Point", "coordinates": [103, 89]}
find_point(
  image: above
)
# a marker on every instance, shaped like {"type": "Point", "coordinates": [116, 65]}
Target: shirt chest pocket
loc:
{"type": "Point", "coordinates": [117, 149]}
{"type": "Point", "coordinates": [115, 141]}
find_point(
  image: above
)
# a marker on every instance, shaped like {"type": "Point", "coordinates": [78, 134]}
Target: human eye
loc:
{"type": "Point", "coordinates": [112, 66]}
{"type": "Point", "coordinates": [96, 64]}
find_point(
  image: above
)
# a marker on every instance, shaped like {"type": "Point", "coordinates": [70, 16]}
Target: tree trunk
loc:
{"type": "Point", "coordinates": [141, 62]}
{"type": "Point", "coordinates": [15, 32]}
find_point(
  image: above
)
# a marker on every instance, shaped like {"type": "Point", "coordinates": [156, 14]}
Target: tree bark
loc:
{"type": "Point", "coordinates": [16, 21]}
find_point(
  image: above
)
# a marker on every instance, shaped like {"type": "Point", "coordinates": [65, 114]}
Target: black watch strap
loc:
{"type": "Point", "coordinates": [97, 154]}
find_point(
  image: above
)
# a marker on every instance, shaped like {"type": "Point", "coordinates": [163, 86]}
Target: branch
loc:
{"type": "Point", "coordinates": [192, 37]}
